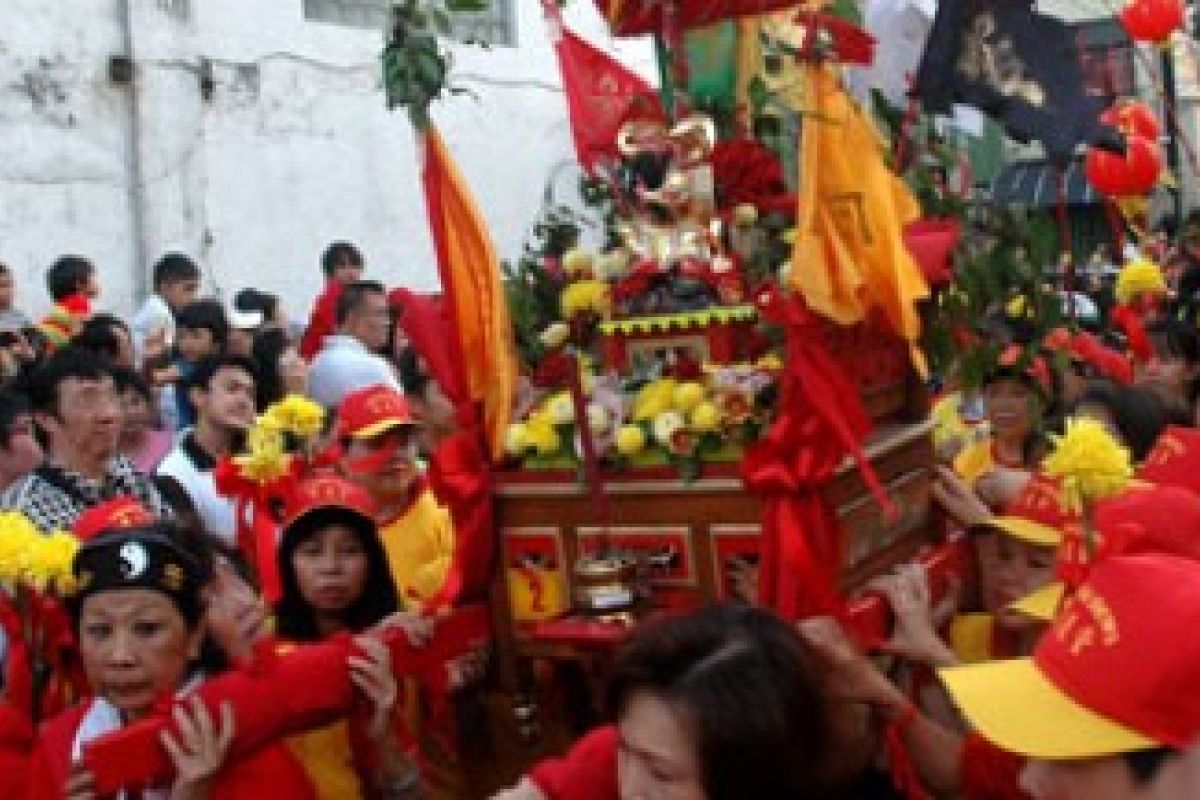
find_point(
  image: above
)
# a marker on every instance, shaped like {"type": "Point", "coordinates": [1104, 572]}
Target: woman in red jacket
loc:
{"type": "Point", "coordinates": [137, 615]}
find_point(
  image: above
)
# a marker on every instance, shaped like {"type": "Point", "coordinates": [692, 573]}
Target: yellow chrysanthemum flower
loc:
{"type": "Point", "coordinates": [1091, 464]}
{"type": "Point", "coordinates": [542, 436]}
{"type": "Point", "coordinates": [18, 537]}
{"type": "Point", "coordinates": [583, 296]}
{"type": "Point", "coordinates": [1138, 277]}
{"type": "Point", "coordinates": [514, 439]}
{"type": "Point", "coordinates": [559, 409]}
{"type": "Point", "coordinates": [653, 399]}
{"type": "Point", "coordinates": [297, 415]}
{"type": "Point", "coordinates": [50, 561]}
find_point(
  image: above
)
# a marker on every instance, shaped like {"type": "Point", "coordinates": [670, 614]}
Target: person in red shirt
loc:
{"type": "Point", "coordinates": [138, 618]}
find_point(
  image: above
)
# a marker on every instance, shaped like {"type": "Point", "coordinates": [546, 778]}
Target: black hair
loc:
{"type": "Point", "coordinates": [12, 405]}
{"type": "Point", "coordinates": [753, 692]}
{"type": "Point", "coordinates": [67, 276]}
{"type": "Point", "coordinates": [352, 297]}
{"type": "Point", "coordinates": [174, 268]}
{"type": "Point", "coordinates": [69, 362]}
{"type": "Point", "coordinates": [5, 269]}
{"type": "Point", "coordinates": [97, 335]}
{"type": "Point", "coordinates": [207, 368]}
{"type": "Point", "coordinates": [339, 254]}
{"type": "Point", "coordinates": [127, 379]}
{"type": "Point", "coordinates": [294, 617]}
{"type": "Point", "coordinates": [1138, 413]}
{"type": "Point", "coordinates": [255, 300]}
{"type": "Point", "coordinates": [206, 314]}
{"type": "Point", "coordinates": [413, 376]}
{"type": "Point", "coordinates": [1144, 765]}
{"type": "Point", "coordinates": [1176, 339]}
{"type": "Point", "coordinates": [266, 348]}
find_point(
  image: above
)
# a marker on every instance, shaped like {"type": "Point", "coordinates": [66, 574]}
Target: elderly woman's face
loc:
{"type": "Point", "coordinates": [135, 645]}
{"type": "Point", "coordinates": [657, 758]}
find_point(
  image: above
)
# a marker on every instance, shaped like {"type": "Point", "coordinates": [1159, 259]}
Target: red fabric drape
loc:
{"type": "Point", "coordinates": [820, 421]}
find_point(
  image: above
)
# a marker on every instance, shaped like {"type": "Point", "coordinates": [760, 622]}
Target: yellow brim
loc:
{"type": "Point", "coordinates": [1028, 531]}
{"type": "Point", "coordinates": [381, 427]}
{"type": "Point", "coordinates": [1042, 604]}
{"type": "Point", "coordinates": [1011, 704]}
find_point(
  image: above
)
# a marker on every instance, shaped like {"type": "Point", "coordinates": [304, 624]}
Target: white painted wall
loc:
{"type": "Point", "coordinates": [294, 149]}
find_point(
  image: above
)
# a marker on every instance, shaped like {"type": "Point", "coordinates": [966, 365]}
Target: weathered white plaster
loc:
{"type": "Point", "coordinates": [292, 149]}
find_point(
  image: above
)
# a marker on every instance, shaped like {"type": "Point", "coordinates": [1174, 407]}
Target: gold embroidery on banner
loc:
{"type": "Point", "coordinates": [992, 60]}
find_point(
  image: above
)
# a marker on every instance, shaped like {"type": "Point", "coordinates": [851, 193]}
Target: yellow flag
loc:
{"type": "Point", "coordinates": [849, 254]}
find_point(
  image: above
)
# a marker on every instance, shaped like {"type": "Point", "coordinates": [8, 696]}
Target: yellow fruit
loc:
{"type": "Point", "coordinates": [576, 261]}
{"type": "Point", "coordinates": [631, 440]}
{"type": "Point", "coordinates": [653, 399]}
{"type": "Point", "coordinates": [705, 417]}
{"type": "Point", "coordinates": [687, 396]}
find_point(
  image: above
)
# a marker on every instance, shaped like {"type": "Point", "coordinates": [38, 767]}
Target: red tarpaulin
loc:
{"type": "Point", "coordinates": [636, 17]}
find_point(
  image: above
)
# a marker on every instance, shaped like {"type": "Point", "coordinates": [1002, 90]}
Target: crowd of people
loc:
{"type": "Point", "coordinates": [1060, 671]}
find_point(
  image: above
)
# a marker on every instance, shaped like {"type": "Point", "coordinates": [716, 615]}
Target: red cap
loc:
{"type": "Point", "coordinates": [121, 512]}
{"type": "Point", "coordinates": [1116, 673]}
{"type": "Point", "coordinates": [1037, 514]}
{"type": "Point", "coordinates": [326, 491]}
{"type": "Point", "coordinates": [366, 413]}
{"type": "Point", "coordinates": [1174, 460]}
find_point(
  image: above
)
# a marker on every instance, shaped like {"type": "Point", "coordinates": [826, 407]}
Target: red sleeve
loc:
{"type": "Point", "coordinates": [461, 481]}
{"type": "Point", "coordinates": [51, 758]}
{"type": "Point", "coordinates": [588, 772]}
{"type": "Point", "coordinates": [989, 773]}
{"type": "Point", "coordinates": [321, 322]}
{"type": "Point", "coordinates": [16, 750]}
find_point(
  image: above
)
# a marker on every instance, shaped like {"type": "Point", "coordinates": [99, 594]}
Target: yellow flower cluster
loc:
{"type": "Point", "coordinates": [266, 458]}
{"type": "Point", "coordinates": [297, 415]}
{"type": "Point", "coordinates": [29, 558]}
{"type": "Point", "coordinates": [583, 296]}
{"type": "Point", "coordinates": [1091, 464]}
{"type": "Point", "coordinates": [1138, 277]}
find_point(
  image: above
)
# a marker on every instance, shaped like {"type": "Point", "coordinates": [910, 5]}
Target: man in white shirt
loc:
{"type": "Point", "coordinates": [349, 359]}
{"type": "Point", "coordinates": [222, 390]}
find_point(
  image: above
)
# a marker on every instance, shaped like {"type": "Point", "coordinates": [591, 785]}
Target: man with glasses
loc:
{"type": "Point", "coordinates": [76, 408]}
{"type": "Point", "coordinates": [377, 440]}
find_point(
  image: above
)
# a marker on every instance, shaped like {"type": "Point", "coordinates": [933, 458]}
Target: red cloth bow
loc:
{"type": "Point", "coordinates": [820, 420]}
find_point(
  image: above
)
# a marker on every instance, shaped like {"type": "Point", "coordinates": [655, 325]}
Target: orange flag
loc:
{"type": "Point", "coordinates": [473, 289]}
{"type": "Point", "coordinates": [849, 255]}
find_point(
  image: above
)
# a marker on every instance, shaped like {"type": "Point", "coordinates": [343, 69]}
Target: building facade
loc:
{"type": "Point", "coordinates": [251, 134]}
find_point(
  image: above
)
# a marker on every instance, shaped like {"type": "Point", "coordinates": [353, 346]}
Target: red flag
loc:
{"type": "Point", "coordinates": [601, 93]}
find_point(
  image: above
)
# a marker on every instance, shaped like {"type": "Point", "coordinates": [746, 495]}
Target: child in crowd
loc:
{"type": "Point", "coordinates": [203, 331]}
{"type": "Point", "coordinates": [73, 285]}
{"type": "Point", "coordinates": [176, 283]}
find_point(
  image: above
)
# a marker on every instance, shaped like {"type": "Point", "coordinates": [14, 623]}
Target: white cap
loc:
{"type": "Point", "coordinates": [244, 320]}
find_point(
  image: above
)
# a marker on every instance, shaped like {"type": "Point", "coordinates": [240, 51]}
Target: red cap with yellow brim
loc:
{"type": "Point", "coordinates": [1014, 706]}
{"type": "Point", "coordinates": [1116, 672]}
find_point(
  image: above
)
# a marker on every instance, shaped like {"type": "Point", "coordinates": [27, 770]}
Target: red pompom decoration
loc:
{"type": "Point", "coordinates": [1133, 174]}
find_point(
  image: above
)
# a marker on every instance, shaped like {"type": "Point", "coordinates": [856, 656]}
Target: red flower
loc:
{"type": "Point", "coordinates": [746, 171]}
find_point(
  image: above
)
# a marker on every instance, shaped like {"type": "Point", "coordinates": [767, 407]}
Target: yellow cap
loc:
{"type": "Point", "coordinates": [1042, 604]}
{"type": "Point", "coordinates": [1014, 706]}
{"type": "Point", "coordinates": [1026, 530]}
